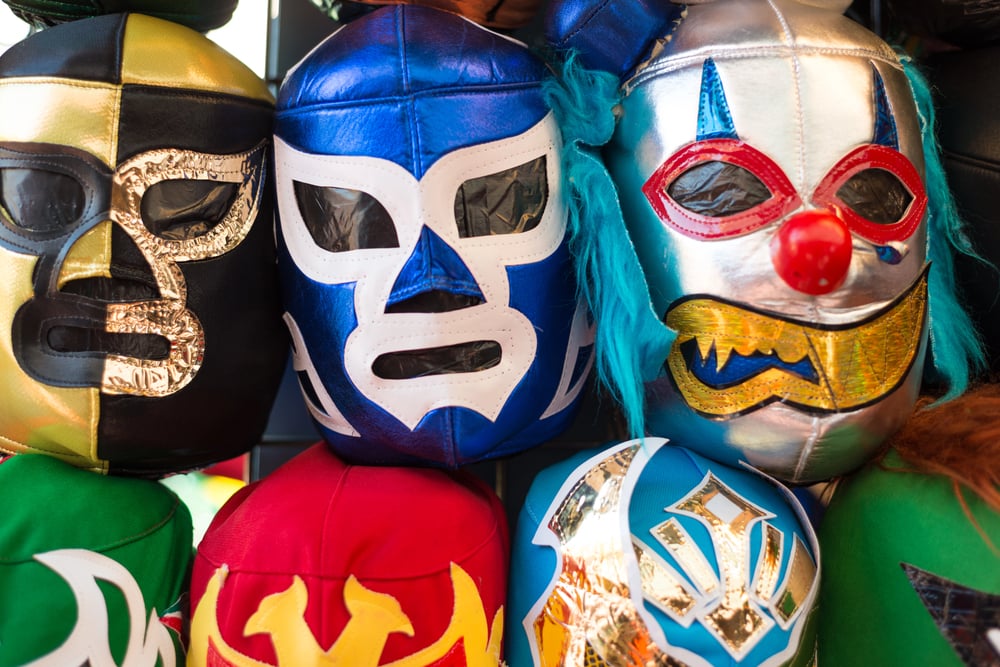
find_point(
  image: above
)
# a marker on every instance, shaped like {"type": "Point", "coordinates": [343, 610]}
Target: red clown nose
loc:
{"type": "Point", "coordinates": [812, 251]}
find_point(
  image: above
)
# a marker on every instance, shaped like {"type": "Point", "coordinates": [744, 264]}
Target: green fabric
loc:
{"type": "Point", "coordinates": [869, 611]}
{"type": "Point", "coordinates": [49, 506]}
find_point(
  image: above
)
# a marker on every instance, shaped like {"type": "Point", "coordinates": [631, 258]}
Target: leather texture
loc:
{"type": "Point", "coordinates": [188, 293]}
{"type": "Point", "coordinates": [610, 35]}
{"type": "Point", "coordinates": [409, 105]}
{"type": "Point", "coordinates": [201, 15]}
{"type": "Point", "coordinates": [396, 69]}
{"type": "Point", "coordinates": [967, 94]}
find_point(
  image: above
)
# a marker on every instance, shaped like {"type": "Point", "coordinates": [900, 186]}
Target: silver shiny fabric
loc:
{"type": "Point", "coordinates": [799, 84]}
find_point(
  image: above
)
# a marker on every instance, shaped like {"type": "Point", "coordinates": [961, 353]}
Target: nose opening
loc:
{"type": "Point", "coordinates": [434, 301]}
{"type": "Point", "coordinates": [434, 279]}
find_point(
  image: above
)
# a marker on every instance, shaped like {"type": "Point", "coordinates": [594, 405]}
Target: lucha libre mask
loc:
{"type": "Point", "coordinates": [359, 582]}
{"type": "Point", "coordinates": [645, 554]}
{"type": "Point", "coordinates": [768, 161]}
{"type": "Point", "coordinates": [139, 304]}
{"type": "Point", "coordinates": [427, 282]}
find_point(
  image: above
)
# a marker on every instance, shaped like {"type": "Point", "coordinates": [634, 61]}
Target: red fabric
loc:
{"type": "Point", "coordinates": [397, 530]}
{"type": "Point", "coordinates": [235, 468]}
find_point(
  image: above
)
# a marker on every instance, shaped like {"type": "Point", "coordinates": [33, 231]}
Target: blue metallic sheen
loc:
{"type": "Point", "coordinates": [610, 35]}
{"type": "Point", "coordinates": [433, 266]}
{"type": "Point", "coordinates": [714, 119]}
{"type": "Point", "coordinates": [371, 86]}
{"type": "Point", "coordinates": [885, 125]}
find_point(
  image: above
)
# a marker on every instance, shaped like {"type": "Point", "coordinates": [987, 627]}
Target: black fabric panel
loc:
{"type": "Point", "coordinates": [89, 49]}
{"type": "Point", "coordinates": [154, 117]}
{"type": "Point", "coordinates": [201, 15]}
{"type": "Point", "coordinates": [967, 94]}
{"type": "Point", "coordinates": [223, 411]}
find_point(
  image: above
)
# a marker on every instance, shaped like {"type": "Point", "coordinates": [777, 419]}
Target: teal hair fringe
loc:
{"type": "Point", "coordinates": [630, 342]}
{"type": "Point", "coordinates": [956, 350]}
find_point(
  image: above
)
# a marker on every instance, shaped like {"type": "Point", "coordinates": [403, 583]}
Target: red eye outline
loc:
{"type": "Point", "coordinates": [784, 199]}
{"type": "Point", "coordinates": [874, 156]}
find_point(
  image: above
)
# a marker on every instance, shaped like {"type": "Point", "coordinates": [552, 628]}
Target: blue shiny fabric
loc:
{"type": "Point", "coordinates": [409, 84]}
{"type": "Point", "coordinates": [414, 85]}
{"type": "Point", "coordinates": [714, 119]}
{"type": "Point", "coordinates": [885, 124]}
{"type": "Point", "coordinates": [610, 35]}
{"type": "Point", "coordinates": [433, 265]}
{"type": "Point", "coordinates": [447, 437]}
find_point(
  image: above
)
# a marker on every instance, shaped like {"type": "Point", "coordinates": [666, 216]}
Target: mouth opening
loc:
{"type": "Point", "coordinates": [739, 368]}
{"type": "Point", "coordinates": [136, 287]}
{"type": "Point", "coordinates": [434, 301]}
{"type": "Point", "coordinates": [462, 358]}
{"type": "Point", "coordinates": [69, 340]}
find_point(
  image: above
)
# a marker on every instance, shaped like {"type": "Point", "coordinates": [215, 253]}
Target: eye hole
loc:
{"type": "Point", "coordinates": [342, 219]}
{"type": "Point", "coordinates": [183, 209]}
{"type": "Point", "coordinates": [877, 191]}
{"type": "Point", "coordinates": [39, 200]}
{"type": "Point", "coordinates": [718, 189]}
{"type": "Point", "coordinates": [507, 202]}
{"type": "Point", "coordinates": [876, 195]}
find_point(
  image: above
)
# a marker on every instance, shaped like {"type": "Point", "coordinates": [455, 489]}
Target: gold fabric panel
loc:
{"type": "Point", "coordinates": [770, 563]}
{"type": "Point", "coordinates": [58, 421]}
{"type": "Point", "coordinates": [81, 114]}
{"type": "Point", "coordinates": [90, 256]}
{"type": "Point", "coordinates": [193, 62]}
{"type": "Point", "coordinates": [856, 365]}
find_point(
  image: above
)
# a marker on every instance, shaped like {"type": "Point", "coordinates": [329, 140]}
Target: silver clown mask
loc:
{"type": "Point", "coordinates": [769, 165]}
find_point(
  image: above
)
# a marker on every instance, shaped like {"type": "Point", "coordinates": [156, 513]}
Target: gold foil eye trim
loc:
{"type": "Point", "coordinates": [134, 177]}
{"type": "Point", "coordinates": [154, 377]}
{"type": "Point", "coordinates": [588, 614]}
{"type": "Point", "coordinates": [734, 620]}
{"type": "Point", "coordinates": [169, 317]}
{"type": "Point", "coordinates": [856, 366]}
{"type": "Point", "coordinates": [661, 586]}
{"type": "Point", "coordinates": [769, 568]}
{"type": "Point", "coordinates": [795, 590]}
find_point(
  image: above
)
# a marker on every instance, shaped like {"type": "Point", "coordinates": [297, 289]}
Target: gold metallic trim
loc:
{"type": "Point", "coordinates": [662, 586]}
{"type": "Point", "coordinates": [169, 317]}
{"type": "Point", "coordinates": [769, 569]}
{"type": "Point", "coordinates": [672, 535]}
{"type": "Point", "coordinates": [795, 590]}
{"type": "Point", "coordinates": [735, 621]}
{"type": "Point", "coordinates": [856, 365]}
{"type": "Point", "coordinates": [588, 615]}
{"type": "Point", "coordinates": [81, 114]}
{"type": "Point", "coordinates": [162, 53]}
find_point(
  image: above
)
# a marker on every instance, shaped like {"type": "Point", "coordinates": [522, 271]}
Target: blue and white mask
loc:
{"type": "Point", "coordinates": [427, 281]}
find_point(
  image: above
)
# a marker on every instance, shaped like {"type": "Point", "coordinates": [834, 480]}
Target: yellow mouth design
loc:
{"type": "Point", "coordinates": [728, 360]}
